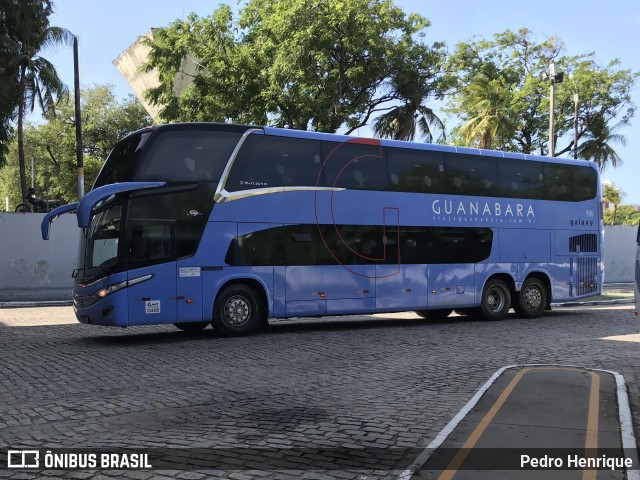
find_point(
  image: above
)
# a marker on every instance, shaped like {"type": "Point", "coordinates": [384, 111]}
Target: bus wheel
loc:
{"type": "Point", "coordinates": [438, 314]}
{"type": "Point", "coordinates": [191, 326]}
{"type": "Point", "coordinates": [496, 300]}
{"type": "Point", "coordinates": [236, 311]}
{"type": "Point", "coordinates": [532, 298]}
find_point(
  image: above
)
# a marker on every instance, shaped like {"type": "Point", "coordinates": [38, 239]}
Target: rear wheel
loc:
{"type": "Point", "coordinates": [23, 208]}
{"type": "Point", "coordinates": [532, 298]}
{"type": "Point", "coordinates": [437, 314]}
{"type": "Point", "coordinates": [496, 300]}
{"type": "Point", "coordinates": [237, 311]}
{"type": "Point", "coordinates": [191, 326]}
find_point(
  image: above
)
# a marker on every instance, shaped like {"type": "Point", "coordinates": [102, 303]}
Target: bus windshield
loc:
{"type": "Point", "coordinates": [122, 160]}
{"type": "Point", "coordinates": [99, 247]}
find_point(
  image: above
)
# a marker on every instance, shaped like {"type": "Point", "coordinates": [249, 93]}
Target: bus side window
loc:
{"type": "Point", "coordinates": [188, 155]}
{"type": "Point", "coordinates": [151, 242]}
{"type": "Point", "coordinates": [520, 178]}
{"type": "Point", "coordinates": [266, 162]}
{"type": "Point", "coordinates": [556, 180]}
{"type": "Point", "coordinates": [419, 171]}
{"type": "Point", "coordinates": [471, 175]}
{"type": "Point", "coordinates": [354, 166]}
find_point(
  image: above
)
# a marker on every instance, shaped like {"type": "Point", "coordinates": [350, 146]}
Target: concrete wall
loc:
{"type": "Point", "coordinates": [34, 269]}
{"type": "Point", "coordinates": [619, 253]}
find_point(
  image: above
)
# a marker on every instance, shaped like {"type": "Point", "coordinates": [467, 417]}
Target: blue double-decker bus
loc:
{"type": "Point", "coordinates": [197, 224]}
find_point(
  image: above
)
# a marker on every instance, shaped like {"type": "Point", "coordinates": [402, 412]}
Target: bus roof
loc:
{"type": "Point", "coordinates": [435, 147]}
{"type": "Point", "coordinates": [285, 132]}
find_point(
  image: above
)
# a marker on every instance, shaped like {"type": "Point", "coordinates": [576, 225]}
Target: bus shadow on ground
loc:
{"type": "Point", "coordinates": [169, 335]}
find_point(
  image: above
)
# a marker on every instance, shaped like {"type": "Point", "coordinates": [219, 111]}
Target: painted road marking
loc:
{"type": "Point", "coordinates": [591, 441]}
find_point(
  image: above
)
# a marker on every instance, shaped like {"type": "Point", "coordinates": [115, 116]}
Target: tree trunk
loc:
{"type": "Point", "coordinates": [21, 108]}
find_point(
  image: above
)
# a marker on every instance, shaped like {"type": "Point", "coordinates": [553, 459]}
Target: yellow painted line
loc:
{"type": "Point", "coordinates": [462, 454]}
{"type": "Point", "coordinates": [591, 443]}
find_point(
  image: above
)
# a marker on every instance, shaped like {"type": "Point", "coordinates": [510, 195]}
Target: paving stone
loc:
{"type": "Point", "coordinates": [306, 391]}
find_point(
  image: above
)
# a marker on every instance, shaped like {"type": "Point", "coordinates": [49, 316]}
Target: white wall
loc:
{"type": "Point", "coordinates": [619, 253]}
{"type": "Point", "coordinates": [33, 269]}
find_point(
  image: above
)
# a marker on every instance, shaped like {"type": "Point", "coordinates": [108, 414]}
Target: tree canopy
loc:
{"type": "Point", "coordinates": [33, 80]}
{"type": "Point", "coordinates": [503, 103]}
{"type": "Point", "coordinates": [306, 64]}
{"type": "Point", "coordinates": [105, 120]}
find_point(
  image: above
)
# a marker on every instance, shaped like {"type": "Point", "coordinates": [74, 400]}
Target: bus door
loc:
{"type": "Point", "coordinates": [189, 293]}
{"type": "Point", "coordinates": [152, 272]}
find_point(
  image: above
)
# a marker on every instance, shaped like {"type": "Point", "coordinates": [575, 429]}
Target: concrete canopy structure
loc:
{"type": "Point", "coordinates": [130, 61]}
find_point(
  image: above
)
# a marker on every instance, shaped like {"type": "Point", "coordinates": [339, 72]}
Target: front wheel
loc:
{"type": "Point", "coordinates": [532, 298]}
{"type": "Point", "coordinates": [237, 311]}
{"type": "Point", "coordinates": [496, 300]}
{"type": "Point", "coordinates": [23, 208]}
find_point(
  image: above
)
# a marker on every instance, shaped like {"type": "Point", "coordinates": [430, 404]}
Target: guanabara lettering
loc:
{"type": "Point", "coordinates": [478, 208]}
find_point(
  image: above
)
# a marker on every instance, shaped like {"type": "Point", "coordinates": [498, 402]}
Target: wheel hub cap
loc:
{"type": "Point", "coordinates": [533, 298]}
{"type": "Point", "coordinates": [495, 300]}
{"type": "Point", "coordinates": [237, 311]}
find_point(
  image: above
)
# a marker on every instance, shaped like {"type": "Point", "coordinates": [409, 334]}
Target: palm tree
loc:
{"type": "Point", "coordinates": [402, 122]}
{"type": "Point", "coordinates": [488, 103]}
{"type": "Point", "coordinates": [597, 146]}
{"type": "Point", "coordinates": [611, 194]}
{"type": "Point", "coordinates": [37, 79]}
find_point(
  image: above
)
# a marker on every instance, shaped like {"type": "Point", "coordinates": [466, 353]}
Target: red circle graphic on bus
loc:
{"type": "Point", "coordinates": [333, 163]}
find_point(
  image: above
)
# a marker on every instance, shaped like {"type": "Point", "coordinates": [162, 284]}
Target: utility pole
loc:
{"type": "Point", "coordinates": [78, 114]}
{"type": "Point", "coordinates": [575, 124]}
{"type": "Point", "coordinates": [553, 77]}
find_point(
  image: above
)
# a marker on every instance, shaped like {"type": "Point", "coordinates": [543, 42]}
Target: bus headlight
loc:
{"type": "Point", "coordinates": [103, 292]}
{"type": "Point", "coordinates": [87, 301]}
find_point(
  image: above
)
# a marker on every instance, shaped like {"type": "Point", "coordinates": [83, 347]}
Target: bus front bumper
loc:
{"type": "Point", "coordinates": [111, 310]}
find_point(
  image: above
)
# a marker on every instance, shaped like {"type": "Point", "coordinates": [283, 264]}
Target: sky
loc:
{"type": "Point", "coordinates": [609, 29]}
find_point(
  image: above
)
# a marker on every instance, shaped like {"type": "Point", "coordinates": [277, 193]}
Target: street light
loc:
{"type": "Point", "coordinates": [553, 77]}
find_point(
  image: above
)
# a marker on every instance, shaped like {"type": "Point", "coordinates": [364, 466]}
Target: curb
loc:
{"type": "Point", "coordinates": [50, 303]}
{"type": "Point", "coordinates": [620, 301]}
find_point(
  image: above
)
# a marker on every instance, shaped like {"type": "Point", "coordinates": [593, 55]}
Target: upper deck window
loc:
{"type": "Point", "coordinates": [352, 165]}
{"type": "Point", "coordinates": [570, 182]}
{"type": "Point", "coordinates": [268, 162]}
{"type": "Point", "coordinates": [520, 178]}
{"type": "Point", "coordinates": [420, 171]}
{"type": "Point", "coordinates": [188, 156]}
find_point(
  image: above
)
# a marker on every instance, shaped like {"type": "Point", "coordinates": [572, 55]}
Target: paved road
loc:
{"type": "Point", "coordinates": [349, 397]}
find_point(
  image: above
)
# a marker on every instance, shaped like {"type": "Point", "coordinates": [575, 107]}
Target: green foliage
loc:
{"type": "Point", "coordinates": [306, 64]}
{"type": "Point", "coordinates": [10, 20]}
{"type": "Point", "coordinates": [504, 103]}
{"type": "Point", "coordinates": [105, 120]}
{"type": "Point", "coordinates": [622, 215]}
{"type": "Point", "coordinates": [619, 214]}
{"type": "Point", "coordinates": [611, 194]}
{"type": "Point", "coordinates": [33, 79]}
